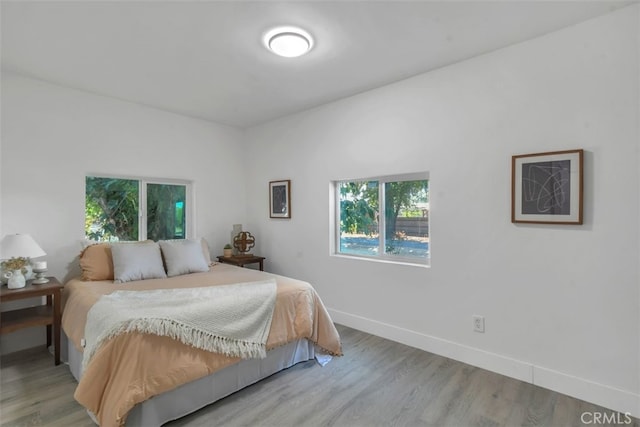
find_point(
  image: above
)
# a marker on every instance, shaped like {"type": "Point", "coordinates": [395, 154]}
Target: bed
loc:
{"type": "Point", "coordinates": [142, 378]}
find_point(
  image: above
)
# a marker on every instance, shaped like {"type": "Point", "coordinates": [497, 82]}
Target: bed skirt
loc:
{"type": "Point", "coordinates": [204, 391]}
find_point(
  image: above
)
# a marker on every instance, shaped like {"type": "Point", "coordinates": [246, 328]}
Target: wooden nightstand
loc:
{"type": "Point", "coordinates": [241, 261]}
{"type": "Point", "coordinates": [48, 315]}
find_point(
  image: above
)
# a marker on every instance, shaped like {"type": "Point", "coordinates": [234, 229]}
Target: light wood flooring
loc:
{"type": "Point", "coordinates": [376, 383]}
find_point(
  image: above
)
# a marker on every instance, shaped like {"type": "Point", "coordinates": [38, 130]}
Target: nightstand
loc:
{"type": "Point", "coordinates": [242, 260]}
{"type": "Point", "coordinates": [48, 315]}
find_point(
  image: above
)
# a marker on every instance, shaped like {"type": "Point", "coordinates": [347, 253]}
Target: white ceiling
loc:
{"type": "Point", "coordinates": [206, 59]}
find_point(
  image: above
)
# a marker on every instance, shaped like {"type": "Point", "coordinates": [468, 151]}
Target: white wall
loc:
{"type": "Point", "coordinates": [562, 303]}
{"type": "Point", "coordinates": [52, 137]}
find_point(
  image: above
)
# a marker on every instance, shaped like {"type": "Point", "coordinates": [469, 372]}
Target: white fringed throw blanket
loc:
{"type": "Point", "coordinates": [230, 319]}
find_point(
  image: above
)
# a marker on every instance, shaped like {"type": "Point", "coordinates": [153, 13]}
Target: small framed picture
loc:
{"type": "Point", "coordinates": [280, 199]}
{"type": "Point", "coordinates": [546, 188]}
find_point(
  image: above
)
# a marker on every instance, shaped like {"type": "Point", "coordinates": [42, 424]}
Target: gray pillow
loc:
{"type": "Point", "coordinates": [183, 257]}
{"type": "Point", "coordinates": [137, 261]}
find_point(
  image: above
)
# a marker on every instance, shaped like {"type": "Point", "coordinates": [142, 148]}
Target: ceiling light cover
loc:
{"type": "Point", "coordinates": [288, 41]}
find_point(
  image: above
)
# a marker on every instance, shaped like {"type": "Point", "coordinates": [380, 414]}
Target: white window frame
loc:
{"type": "Point", "coordinates": [382, 255]}
{"type": "Point", "coordinates": [190, 217]}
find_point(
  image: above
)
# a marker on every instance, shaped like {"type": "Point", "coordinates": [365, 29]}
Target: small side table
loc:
{"type": "Point", "coordinates": [241, 261]}
{"type": "Point", "coordinates": [48, 315]}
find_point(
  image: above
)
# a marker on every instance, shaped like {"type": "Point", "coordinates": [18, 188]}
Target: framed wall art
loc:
{"type": "Point", "coordinates": [546, 188]}
{"type": "Point", "coordinates": [280, 199]}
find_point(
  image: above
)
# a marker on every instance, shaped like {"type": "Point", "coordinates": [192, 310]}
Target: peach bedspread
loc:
{"type": "Point", "coordinates": [133, 367]}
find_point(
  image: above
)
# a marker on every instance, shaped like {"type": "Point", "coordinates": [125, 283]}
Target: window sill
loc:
{"type": "Point", "coordinates": [425, 264]}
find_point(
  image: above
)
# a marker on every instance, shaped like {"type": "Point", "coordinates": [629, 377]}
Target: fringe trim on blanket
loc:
{"type": "Point", "coordinates": [186, 335]}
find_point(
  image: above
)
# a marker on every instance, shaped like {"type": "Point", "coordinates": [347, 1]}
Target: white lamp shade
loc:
{"type": "Point", "coordinates": [20, 245]}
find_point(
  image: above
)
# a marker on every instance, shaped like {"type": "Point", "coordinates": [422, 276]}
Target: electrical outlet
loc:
{"type": "Point", "coordinates": [478, 323]}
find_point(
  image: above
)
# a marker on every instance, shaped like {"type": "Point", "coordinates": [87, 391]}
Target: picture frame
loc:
{"type": "Point", "coordinates": [280, 199]}
{"type": "Point", "coordinates": [547, 188]}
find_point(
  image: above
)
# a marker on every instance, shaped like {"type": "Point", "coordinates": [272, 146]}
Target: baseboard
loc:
{"type": "Point", "coordinates": [622, 401]}
{"type": "Point", "coordinates": [599, 394]}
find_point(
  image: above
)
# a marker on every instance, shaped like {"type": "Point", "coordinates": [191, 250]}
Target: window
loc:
{"type": "Point", "coordinates": [136, 209]}
{"type": "Point", "coordinates": [384, 218]}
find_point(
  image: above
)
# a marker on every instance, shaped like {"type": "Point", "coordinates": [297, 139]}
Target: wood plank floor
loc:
{"type": "Point", "coordinates": [377, 383]}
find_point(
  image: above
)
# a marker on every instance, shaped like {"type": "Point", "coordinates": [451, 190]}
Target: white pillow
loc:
{"type": "Point", "coordinates": [137, 261]}
{"type": "Point", "coordinates": [183, 257]}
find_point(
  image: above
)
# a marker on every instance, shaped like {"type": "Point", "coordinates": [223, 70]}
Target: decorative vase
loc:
{"type": "Point", "coordinates": [227, 252]}
{"type": "Point", "coordinates": [16, 279]}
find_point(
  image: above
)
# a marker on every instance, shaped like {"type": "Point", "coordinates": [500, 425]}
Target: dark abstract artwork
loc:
{"type": "Point", "coordinates": [279, 197]}
{"type": "Point", "coordinates": [546, 188]}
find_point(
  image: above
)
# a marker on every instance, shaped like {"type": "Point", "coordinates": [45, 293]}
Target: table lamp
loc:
{"type": "Point", "coordinates": [19, 246]}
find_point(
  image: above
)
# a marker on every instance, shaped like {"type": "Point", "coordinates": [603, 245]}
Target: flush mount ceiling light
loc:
{"type": "Point", "coordinates": [288, 41]}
